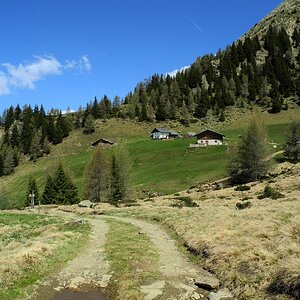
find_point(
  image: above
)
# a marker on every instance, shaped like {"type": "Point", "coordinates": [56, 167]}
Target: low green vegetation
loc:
{"type": "Point", "coordinates": [270, 192]}
{"type": "Point", "coordinates": [47, 243]}
{"type": "Point", "coordinates": [133, 261]}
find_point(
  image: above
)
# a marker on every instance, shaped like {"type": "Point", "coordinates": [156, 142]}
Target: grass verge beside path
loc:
{"type": "Point", "coordinates": [32, 247]}
{"type": "Point", "coordinates": [133, 260]}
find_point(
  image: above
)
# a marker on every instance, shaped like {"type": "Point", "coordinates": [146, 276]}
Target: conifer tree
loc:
{"type": "Point", "coordinates": [65, 191]}
{"type": "Point", "coordinates": [96, 177]}
{"type": "Point", "coordinates": [1, 164]}
{"type": "Point", "coordinates": [9, 164]}
{"type": "Point", "coordinates": [9, 120]}
{"type": "Point", "coordinates": [35, 148]}
{"type": "Point", "coordinates": [292, 144]}
{"type": "Point", "coordinates": [15, 137]}
{"type": "Point", "coordinates": [120, 175]}
{"type": "Point", "coordinates": [17, 113]}
{"type": "Point", "coordinates": [89, 125]}
{"type": "Point", "coordinates": [48, 196]}
{"type": "Point", "coordinates": [27, 129]}
{"type": "Point", "coordinates": [248, 163]}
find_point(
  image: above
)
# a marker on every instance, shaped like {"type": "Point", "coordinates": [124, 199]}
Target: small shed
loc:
{"type": "Point", "coordinates": [103, 142]}
{"type": "Point", "coordinates": [209, 138]}
{"type": "Point", "coordinates": [163, 133]}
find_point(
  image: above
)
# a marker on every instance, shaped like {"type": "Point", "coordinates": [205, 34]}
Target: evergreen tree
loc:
{"type": "Point", "coordinates": [32, 187]}
{"type": "Point", "coordinates": [58, 135]}
{"type": "Point", "coordinates": [9, 164]}
{"type": "Point", "coordinates": [46, 146]}
{"type": "Point", "coordinates": [96, 177]}
{"type": "Point", "coordinates": [120, 175]}
{"type": "Point", "coordinates": [65, 191]}
{"type": "Point", "coordinates": [89, 125]}
{"type": "Point", "coordinates": [248, 163]}
{"type": "Point", "coordinates": [184, 115]}
{"type": "Point", "coordinates": [50, 128]}
{"type": "Point", "coordinates": [27, 129]}
{"type": "Point", "coordinates": [17, 112]}
{"type": "Point", "coordinates": [35, 148]}
{"type": "Point", "coordinates": [1, 164]}
{"type": "Point", "coordinates": [9, 120]}
{"type": "Point", "coordinates": [48, 196]}
{"type": "Point", "coordinates": [15, 138]}
{"type": "Point", "coordinates": [292, 144]}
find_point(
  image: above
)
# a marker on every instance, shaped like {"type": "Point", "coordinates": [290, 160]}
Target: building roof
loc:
{"type": "Point", "coordinates": [209, 130]}
{"type": "Point", "coordinates": [164, 130]}
{"type": "Point", "coordinates": [104, 141]}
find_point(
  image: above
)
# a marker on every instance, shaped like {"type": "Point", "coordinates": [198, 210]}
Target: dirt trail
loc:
{"type": "Point", "coordinates": [180, 275]}
{"type": "Point", "coordinates": [89, 269]}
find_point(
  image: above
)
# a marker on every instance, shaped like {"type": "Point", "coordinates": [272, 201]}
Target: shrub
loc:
{"type": "Point", "coordinates": [184, 202]}
{"type": "Point", "coordinates": [287, 279]}
{"type": "Point", "coordinates": [243, 205]}
{"type": "Point", "coordinates": [270, 192]}
{"type": "Point", "coordinates": [242, 188]}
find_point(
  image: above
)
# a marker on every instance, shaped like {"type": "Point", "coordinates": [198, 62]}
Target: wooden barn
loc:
{"type": "Point", "coordinates": [163, 134]}
{"type": "Point", "coordinates": [103, 142]}
{"type": "Point", "coordinates": [209, 138]}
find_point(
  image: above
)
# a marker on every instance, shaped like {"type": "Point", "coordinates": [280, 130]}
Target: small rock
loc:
{"type": "Point", "coordinates": [74, 222]}
{"type": "Point", "coordinates": [207, 282]}
{"type": "Point", "coordinates": [223, 294]}
{"type": "Point", "coordinates": [196, 296]}
{"type": "Point", "coordinates": [86, 203]}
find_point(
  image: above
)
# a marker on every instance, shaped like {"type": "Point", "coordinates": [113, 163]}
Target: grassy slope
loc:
{"type": "Point", "coordinates": [32, 247]}
{"type": "Point", "coordinates": [165, 166]}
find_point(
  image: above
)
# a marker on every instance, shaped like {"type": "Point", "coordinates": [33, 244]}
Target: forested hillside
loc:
{"type": "Point", "coordinates": [262, 68]}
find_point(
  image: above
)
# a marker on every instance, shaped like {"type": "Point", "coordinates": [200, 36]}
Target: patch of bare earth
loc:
{"type": "Point", "coordinates": [86, 271]}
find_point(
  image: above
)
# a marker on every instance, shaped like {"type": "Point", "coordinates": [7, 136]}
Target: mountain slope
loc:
{"type": "Point", "coordinates": [286, 15]}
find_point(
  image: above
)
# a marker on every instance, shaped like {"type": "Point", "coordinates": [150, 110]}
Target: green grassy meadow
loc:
{"type": "Point", "coordinates": [163, 166]}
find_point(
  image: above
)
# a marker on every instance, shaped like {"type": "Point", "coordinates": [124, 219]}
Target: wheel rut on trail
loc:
{"type": "Point", "coordinates": [179, 274]}
{"type": "Point", "coordinates": [86, 272]}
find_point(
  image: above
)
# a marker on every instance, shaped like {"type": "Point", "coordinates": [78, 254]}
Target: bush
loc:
{"type": "Point", "coordinates": [270, 192]}
{"type": "Point", "coordinates": [287, 279]}
{"type": "Point", "coordinates": [184, 202]}
{"type": "Point", "coordinates": [242, 188]}
{"type": "Point", "coordinates": [243, 205]}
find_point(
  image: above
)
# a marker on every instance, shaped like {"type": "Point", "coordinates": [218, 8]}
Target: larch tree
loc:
{"type": "Point", "coordinates": [248, 162]}
{"type": "Point", "coordinates": [96, 176]}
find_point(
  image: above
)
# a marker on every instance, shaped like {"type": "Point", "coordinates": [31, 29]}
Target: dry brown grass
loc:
{"type": "Point", "coordinates": [253, 251]}
{"type": "Point", "coordinates": [19, 254]}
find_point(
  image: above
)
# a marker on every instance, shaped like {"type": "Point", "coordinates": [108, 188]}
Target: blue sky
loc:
{"type": "Point", "coordinates": [64, 53]}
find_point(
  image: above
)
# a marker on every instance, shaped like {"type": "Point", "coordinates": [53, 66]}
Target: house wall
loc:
{"type": "Point", "coordinates": [210, 142]}
{"type": "Point", "coordinates": [160, 135]}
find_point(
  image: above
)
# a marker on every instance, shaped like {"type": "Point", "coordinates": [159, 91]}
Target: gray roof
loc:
{"type": "Point", "coordinates": [164, 130]}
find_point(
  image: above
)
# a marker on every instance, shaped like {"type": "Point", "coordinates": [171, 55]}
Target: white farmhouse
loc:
{"type": "Point", "coordinates": [209, 138]}
{"type": "Point", "coordinates": [163, 134]}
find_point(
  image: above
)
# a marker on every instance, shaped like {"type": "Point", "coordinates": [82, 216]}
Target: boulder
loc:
{"type": "Point", "coordinates": [86, 203]}
{"type": "Point", "coordinates": [223, 294]}
{"type": "Point", "coordinates": [207, 283]}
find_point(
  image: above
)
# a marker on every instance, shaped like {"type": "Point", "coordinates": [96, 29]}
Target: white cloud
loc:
{"type": "Point", "coordinates": [4, 87]}
{"type": "Point", "coordinates": [174, 72]}
{"type": "Point", "coordinates": [26, 74]}
{"type": "Point", "coordinates": [85, 63]}
{"type": "Point", "coordinates": [82, 65]}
